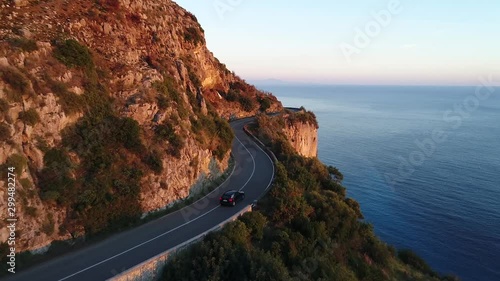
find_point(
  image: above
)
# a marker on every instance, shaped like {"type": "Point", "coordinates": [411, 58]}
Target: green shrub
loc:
{"type": "Point", "coordinates": [164, 131]}
{"type": "Point", "coordinates": [265, 103]}
{"type": "Point", "coordinates": [71, 53]}
{"type": "Point", "coordinates": [232, 96]}
{"type": "Point", "coordinates": [16, 80]}
{"type": "Point", "coordinates": [196, 126]}
{"type": "Point", "coordinates": [154, 161]}
{"type": "Point", "coordinates": [17, 161]}
{"type": "Point", "coordinates": [24, 44]}
{"type": "Point", "coordinates": [55, 178]}
{"type": "Point", "coordinates": [226, 136]}
{"type": "Point", "coordinates": [183, 111]}
{"type": "Point", "coordinates": [4, 105]}
{"type": "Point", "coordinates": [256, 222]}
{"type": "Point", "coordinates": [193, 35]}
{"type": "Point", "coordinates": [42, 144]}
{"type": "Point", "coordinates": [176, 143]}
{"type": "Point", "coordinates": [378, 251]}
{"type": "Point", "coordinates": [355, 207]}
{"type": "Point", "coordinates": [128, 133]}
{"type": "Point", "coordinates": [50, 195]}
{"type": "Point", "coordinates": [98, 102]}
{"type": "Point", "coordinates": [48, 227]}
{"type": "Point", "coordinates": [335, 173]}
{"type": "Point", "coordinates": [30, 117]}
{"type": "Point", "coordinates": [246, 103]}
{"type": "Point", "coordinates": [411, 258]}
{"type": "Point", "coordinates": [194, 78]}
{"type": "Point", "coordinates": [162, 102]}
{"type": "Point", "coordinates": [303, 117]}
{"type": "Point", "coordinates": [168, 92]}
{"type": "Point", "coordinates": [70, 102]}
{"type": "Point", "coordinates": [4, 132]}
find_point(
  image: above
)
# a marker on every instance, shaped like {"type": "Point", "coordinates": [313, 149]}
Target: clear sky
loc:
{"type": "Point", "coordinates": [425, 42]}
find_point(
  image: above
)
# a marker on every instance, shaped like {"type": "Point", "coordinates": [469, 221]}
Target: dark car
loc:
{"type": "Point", "coordinates": [231, 197]}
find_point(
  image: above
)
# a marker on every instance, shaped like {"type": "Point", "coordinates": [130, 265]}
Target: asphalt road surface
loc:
{"type": "Point", "coordinates": [253, 172]}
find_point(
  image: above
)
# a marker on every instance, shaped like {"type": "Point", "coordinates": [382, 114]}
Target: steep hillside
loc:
{"type": "Point", "coordinates": [109, 109]}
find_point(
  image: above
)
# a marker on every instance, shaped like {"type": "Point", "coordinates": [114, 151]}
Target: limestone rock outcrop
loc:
{"type": "Point", "coordinates": [303, 137]}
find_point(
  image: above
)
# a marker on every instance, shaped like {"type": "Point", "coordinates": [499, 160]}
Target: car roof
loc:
{"type": "Point", "coordinates": [229, 192]}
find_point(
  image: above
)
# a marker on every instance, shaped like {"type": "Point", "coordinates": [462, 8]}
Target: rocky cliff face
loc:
{"type": "Point", "coordinates": [297, 131]}
{"type": "Point", "coordinates": [303, 137]}
{"type": "Point", "coordinates": [109, 105]}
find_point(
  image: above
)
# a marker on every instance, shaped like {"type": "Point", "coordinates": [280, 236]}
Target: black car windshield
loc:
{"type": "Point", "coordinates": [227, 195]}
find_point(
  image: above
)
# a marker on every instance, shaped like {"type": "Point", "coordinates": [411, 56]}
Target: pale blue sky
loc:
{"type": "Point", "coordinates": [426, 42]}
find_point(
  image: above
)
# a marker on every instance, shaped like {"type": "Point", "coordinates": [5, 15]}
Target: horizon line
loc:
{"type": "Point", "coordinates": [278, 82]}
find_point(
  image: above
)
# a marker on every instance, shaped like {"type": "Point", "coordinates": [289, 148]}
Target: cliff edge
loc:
{"type": "Point", "coordinates": [297, 131]}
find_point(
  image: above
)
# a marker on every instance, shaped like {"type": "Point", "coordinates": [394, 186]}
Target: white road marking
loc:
{"type": "Point", "coordinates": [137, 246]}
{"type": "Point", "coordinates": [270, 160]}
{"type": "Point", "coordinates": [253, 160]}
{"type": "Point", "coordinates": [165, 233]}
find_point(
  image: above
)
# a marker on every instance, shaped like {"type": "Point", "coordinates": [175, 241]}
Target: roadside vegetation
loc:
{"type": "Point", "coordinates": [305, 228]}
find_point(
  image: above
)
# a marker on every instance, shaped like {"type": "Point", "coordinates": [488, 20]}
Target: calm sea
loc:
{"type": "Point", "coordinates": [423, 162]}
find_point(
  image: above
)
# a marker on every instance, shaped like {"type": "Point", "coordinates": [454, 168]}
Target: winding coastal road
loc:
{"type": "Point", "coordinates": [253, 173]}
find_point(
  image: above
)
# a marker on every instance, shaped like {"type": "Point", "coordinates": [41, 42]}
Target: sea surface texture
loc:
{"type": "Point", "coordinates": [423, 162]}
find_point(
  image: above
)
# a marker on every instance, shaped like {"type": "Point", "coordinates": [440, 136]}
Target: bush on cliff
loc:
{"type": "Point", "coordinates": [4, 106]}
{"type": "Point", "coordinates": [265, 103]}
{"type": "Point", "coordinates": [411, 258]}
{"type": "Point", "coordinates": [17, 161]}
{"type": "Point", "coordinates": [4, 132]}
{"type": "Point", "coordinates": [246, 102]}
{"type": "Point", "coordinates": [303, 116]}
{"type": "Point", "coordinates": [24, 44]}
{"type": "Point", "coordinates": [70, 102]}
{"type": "Point", "coordinates": [17, 81]}
{"type": "Point", "coordinates": [30, 117]}
{"type": "Point", "coordinates": [166, 132]}
{"type": "Point", "coordinates": [193, 35]}
{"type": "Point", "coordinates": [73, 54]}
{"type": "Point", "coordinates": [55, 180]}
